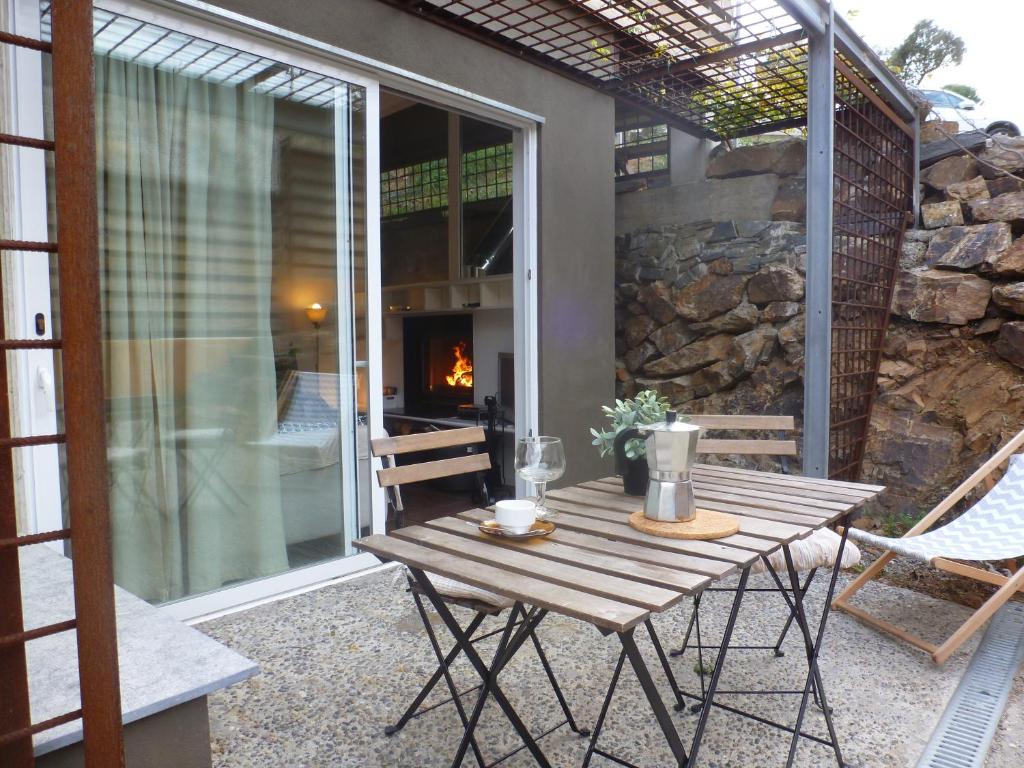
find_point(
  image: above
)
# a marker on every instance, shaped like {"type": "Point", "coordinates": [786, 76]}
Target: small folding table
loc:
{"type": "Point", "coordinates": [596, 568]}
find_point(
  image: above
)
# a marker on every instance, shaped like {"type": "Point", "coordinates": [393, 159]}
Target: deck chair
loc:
{"type": "Point", "coordinates": [819, 550]}
{"type": "Point", "coordinates": [991, 530]}
{"type": "Point", "coordinates": [482, 603]}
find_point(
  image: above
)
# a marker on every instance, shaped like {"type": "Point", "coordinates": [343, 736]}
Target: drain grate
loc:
{"type": "Point", "coordinates": [963, 735]}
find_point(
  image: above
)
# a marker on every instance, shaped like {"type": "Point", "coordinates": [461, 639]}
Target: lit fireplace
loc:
{"type": "Point", "coordinates": [462, 370]}
{"type": "Point", "coordinates": [438, 363]}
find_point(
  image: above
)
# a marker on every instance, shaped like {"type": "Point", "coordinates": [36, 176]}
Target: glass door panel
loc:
{"type": "Point", "coordinates": [232, 203]}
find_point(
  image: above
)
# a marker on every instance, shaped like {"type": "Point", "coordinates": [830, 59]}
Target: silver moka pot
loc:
{"type": "Point", "coordinates": [671, 450]}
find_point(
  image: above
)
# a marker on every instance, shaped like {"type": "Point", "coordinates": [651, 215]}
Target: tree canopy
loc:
{"type": "Point", "coordinates": [925, 49]}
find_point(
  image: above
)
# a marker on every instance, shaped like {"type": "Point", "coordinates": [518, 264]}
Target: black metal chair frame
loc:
{"type": "Point", "coordinates": [422, 587]}
{"type": "Point", "coordinates": [661, 713]}
{"type": "Point", "coordinates": [814, 686]}
{"type": "Point", "coordinates": [520, 626]}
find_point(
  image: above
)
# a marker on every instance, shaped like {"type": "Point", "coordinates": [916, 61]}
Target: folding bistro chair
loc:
{"type": "Point", "coordinates": [819, 550]}
{"type": "Point", "coordinates": [482, 603]}
{"type": "Point", "coordinates": [991, 530]}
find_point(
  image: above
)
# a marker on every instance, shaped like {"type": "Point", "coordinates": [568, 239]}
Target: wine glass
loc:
{"type": "Point", "coordinates": [538, 461]}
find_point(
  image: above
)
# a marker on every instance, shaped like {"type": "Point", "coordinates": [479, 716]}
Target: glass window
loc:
{"type": "Point", "coordinates": [641, 146]}
{"type": "Point", "coordinates": [485, 191]}
{"type": "Point", "coordinates": [232, 238]}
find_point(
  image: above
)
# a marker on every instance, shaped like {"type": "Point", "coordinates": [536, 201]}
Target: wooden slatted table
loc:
{"type": "Point", "coordinates": [596, 568]}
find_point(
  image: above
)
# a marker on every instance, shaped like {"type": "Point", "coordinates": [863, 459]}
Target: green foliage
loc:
{"type": "Point", "coordinates": [967, 91]}
{"type": "Point", "coordinates": [925, 49]}
{"type": "Point", "coordinates": [898, 523]}
{"type": "Point", "coordinates": [762, 88]}
{"type": "Point", "coordinates": [646, 408]}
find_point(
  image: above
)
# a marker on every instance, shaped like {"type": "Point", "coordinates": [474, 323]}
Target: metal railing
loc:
{"type": "Point", "coordinates": [872, 197]}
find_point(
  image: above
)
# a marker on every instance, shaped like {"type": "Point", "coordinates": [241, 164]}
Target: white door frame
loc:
{"type": "Point", "coordinates": [34, 402]}
{"type": "Point", "coordinates": [217, 25]}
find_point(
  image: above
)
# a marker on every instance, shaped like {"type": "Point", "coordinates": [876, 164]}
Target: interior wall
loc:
{"type": "Point", "coordinates": [493, 332]}
{"type": "Point", "coordinates": [576, 191]}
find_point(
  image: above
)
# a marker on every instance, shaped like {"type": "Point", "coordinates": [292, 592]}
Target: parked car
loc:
{"type": "Point", "coordinates": [947, 105]}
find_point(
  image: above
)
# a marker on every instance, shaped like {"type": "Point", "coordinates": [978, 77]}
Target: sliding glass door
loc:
{"type": "Point", "coordinates": [234, 251]}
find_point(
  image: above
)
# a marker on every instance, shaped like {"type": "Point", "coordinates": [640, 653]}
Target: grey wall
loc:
{"type": "Point", "coordinates": [576, 191]}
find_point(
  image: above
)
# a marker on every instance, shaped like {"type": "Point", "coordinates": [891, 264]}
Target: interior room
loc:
{"type": "Point", "coordinates": [446, 276]}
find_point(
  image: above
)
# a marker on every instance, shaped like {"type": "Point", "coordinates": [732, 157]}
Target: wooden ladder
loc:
{"type": "Point", "coordinates": [84, 437]}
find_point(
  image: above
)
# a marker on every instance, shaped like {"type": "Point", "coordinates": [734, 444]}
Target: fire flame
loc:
{"type": "Point", "coordinates": [462, 371]}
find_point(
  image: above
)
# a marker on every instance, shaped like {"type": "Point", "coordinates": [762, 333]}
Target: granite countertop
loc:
{"type": "Point", "coordinates": [163, 662]}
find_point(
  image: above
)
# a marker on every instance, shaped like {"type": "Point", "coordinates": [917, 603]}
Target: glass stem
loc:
{"type": "Point", "coordinates": [542, 488]}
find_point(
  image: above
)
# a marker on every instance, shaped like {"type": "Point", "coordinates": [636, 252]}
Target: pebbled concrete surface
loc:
{"type": "Point", "coordinates": [340, 663]}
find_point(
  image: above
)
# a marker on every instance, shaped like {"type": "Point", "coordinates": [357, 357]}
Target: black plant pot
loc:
{"type": "Point", "coordinates": [635, 476]}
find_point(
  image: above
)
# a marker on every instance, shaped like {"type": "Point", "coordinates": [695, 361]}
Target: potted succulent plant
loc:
{"type": "Point", "coordinates": [647, 407]}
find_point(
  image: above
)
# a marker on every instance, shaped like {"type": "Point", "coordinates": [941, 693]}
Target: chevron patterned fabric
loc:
{"type": "Point", "coordinates": [993, 529]}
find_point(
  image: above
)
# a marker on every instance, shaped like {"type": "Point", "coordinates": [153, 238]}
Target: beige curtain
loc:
{"type": "Point", "coordinates": [185, 196]}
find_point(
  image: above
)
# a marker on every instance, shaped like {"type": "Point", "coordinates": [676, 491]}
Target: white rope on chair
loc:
{"type": "Point", "coordinates": [993, 529]}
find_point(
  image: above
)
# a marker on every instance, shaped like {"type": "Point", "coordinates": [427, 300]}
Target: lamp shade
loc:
{"type": "Point", "coordinates": [316, 314]}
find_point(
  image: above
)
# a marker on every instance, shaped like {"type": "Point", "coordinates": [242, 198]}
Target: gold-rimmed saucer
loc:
{"type": "Point", "coordinates": [539, 528]}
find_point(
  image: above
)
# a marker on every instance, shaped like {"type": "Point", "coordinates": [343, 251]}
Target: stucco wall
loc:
{"type": "Point", "coordinates": [576, 190]}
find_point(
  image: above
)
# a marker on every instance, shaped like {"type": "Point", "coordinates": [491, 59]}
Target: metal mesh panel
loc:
{"type": "Point", "coordinates": [716, 69]}
{"type": "Point", "coordinates": [873, 192]}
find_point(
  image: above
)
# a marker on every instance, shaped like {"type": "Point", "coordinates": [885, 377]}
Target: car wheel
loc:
{"type": "Point", "coordinates": [1003, 129]}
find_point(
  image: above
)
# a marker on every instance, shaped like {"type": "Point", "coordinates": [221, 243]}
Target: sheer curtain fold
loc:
{"type": "Point", "coordinates": [186, 242]}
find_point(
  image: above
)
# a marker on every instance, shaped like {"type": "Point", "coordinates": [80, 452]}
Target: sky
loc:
{"type": "Point", "coordinates": [991, 30]}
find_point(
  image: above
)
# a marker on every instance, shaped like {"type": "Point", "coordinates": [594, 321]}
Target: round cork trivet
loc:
{"type": "Point", "coordinates": [706, 525]}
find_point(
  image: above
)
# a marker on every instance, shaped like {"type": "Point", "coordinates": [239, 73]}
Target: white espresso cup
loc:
{"type": "Point", "coordinates": [515, 515]}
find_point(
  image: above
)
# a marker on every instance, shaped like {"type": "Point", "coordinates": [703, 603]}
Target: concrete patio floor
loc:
{"type": "Point", "coordinates": [340, 663]}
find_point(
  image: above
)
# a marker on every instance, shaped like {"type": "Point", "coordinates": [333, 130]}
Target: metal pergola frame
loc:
{"type": "Point", "coordinates": [708, 68]}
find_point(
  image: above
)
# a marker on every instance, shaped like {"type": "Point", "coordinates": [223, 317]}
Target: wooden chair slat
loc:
{"type": "Point", "coordinates": [747, 447]}
{"type": "Point", "coordinates": [445, 438]}
{"type": "Point", "coordinates": [525, 562]}
{"type": "Point", "coordinates": [713, 421]}
{"type": "Point", "coordinates": [600, 611]}
{"type": "Point", "coordinates": [432, 470]}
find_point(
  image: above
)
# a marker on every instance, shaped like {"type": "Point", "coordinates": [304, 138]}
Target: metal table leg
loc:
{"type": "Point", "coordinates": [661, 712]}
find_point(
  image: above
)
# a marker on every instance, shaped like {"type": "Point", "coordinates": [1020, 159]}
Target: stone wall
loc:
{"type": "Point", "coordinates": [711, 314]}
{"type": "Point", "coordinates": [952, 388]}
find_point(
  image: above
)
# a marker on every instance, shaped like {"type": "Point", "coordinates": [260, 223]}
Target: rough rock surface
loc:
{"type": "Point", "coordinates": [937, 130]}
{"type": "Point", "coordinates": [1008, 263]}
{"type": "Point", "coordinates": [692, 357]}
{"type": "Point", "coordinates": [951, 386]}
{"type": "Point", "coordinates": [968, 247]}
{"type": "Point", "coordinates": [947, 214]}
{"type": "Point", "coordinates": [951, 170]}
{"type": "Point", "coordinates": [1010, 297]}
{"type": "Point", "coordinates": [972, 189]}
{"type": "Point", "coordinates": [790, 202]}
{"type": "Point", "coordinates": [1008, 207]}
{"type": "Point", "coordinates": [709, 296]}
{"type": "Point", "coordinates": [937, 296]}
{"type": "Point", "coordinates": [776, 282]}
{"type": "Point", "coordinates": [783, 158]}
{"type": "Point", "coordinates": [946, 402]}
{"type": "Point", "coordinates": [1005, 154]}
{"type": "Point", "coordinates": [1010, 344]}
